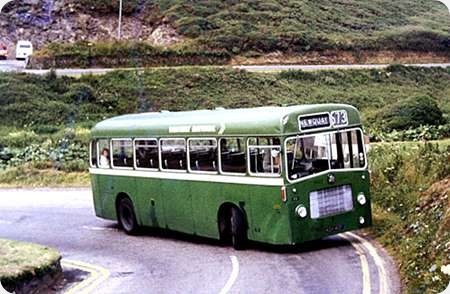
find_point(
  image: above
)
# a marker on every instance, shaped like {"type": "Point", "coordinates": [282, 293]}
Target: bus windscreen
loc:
{"type": "Point", "coordinates": [308, 155]}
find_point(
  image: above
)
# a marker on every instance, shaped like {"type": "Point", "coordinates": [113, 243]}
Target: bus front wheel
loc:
{"type": "Point", "coordinates": [126, 216]}
{"type": "Point", "coordinates": [238, 229]}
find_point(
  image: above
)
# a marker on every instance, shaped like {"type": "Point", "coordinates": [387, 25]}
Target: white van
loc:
{"type": "Point", "coordinates": [24, 49]}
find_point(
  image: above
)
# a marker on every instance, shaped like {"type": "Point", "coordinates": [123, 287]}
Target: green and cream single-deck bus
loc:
{"type": "Point", "coordinates": [279, 175]}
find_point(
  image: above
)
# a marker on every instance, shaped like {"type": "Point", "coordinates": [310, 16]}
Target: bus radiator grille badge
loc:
{"type": "Point", "coordinates": [331, 179]}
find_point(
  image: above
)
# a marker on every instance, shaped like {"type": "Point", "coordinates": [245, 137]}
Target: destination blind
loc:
{"type": "Point", "coordinates": [314, 121]}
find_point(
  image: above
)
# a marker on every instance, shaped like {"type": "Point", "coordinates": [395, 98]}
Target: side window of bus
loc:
{"type": "Point", "coordinates": [232, 155]}
{"type": "Point", "coordinates": [264, 156]}
{"type": "Point", "coordinates": [173, 154]}
{"type": "Point", "coordinates": [122, 151]}
{"type": "Point", "coordinates": [147, 154]}
{"type": "Point", "coordinates": [93, 152]}
{"type": "Point", "coordinates": [104, 155]}
{"type": "Point", "coordinates": [203, 155]}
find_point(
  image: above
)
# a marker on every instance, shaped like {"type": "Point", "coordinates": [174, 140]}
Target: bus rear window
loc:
{"type": "Point", "coordinates": [122, 151]}
{"type": "Point", "coordinates": [93, 149]}
{"type": "Point", "coordinates": [173, 154]}
{"type": "Point", "coordinates": [147, 154]}
{"type": "Point", "coordinates": [232, 155]}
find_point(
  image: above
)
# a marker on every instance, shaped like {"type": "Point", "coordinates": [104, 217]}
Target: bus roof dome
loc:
{"type": "Point", "coordinates": [268, 120]}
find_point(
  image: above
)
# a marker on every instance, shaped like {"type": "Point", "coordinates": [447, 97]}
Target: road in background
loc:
{"type": "Point", "coordinates": [12, 65]}
{"type": "Point", "coordinates": [164, 262]}
{"type": "Point", "coordinates": [19, 66]}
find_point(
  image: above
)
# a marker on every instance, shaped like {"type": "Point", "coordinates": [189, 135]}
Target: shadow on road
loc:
{"type": "Point", "coordinates": [310, 246]}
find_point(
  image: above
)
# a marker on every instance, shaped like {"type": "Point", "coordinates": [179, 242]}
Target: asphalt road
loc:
{"type": "Point", "coordinates": [11, 65]}
{"type": "Point", "coordinates": [19, 66]}
{"type": "Point", "coordinates": [162, 262]}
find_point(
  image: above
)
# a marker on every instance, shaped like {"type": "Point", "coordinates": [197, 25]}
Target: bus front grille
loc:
{"type": "Point", "coordinates": [331, 201]}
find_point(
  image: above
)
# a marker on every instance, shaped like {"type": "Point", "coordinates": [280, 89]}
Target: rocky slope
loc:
{"type": "Point", "coordinates": [48, 21]}
{"type": "Point", "coordinates": [248, 30]}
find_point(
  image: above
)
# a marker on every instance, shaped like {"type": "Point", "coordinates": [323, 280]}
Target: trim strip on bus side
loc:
{"type": "Point", "coordinates": [190, 177]}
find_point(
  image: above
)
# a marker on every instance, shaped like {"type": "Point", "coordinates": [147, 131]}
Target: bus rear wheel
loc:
{"type": "Point", "coordinates": [126, 216]}
{"type": "Point", "coordinates": [238, 229]}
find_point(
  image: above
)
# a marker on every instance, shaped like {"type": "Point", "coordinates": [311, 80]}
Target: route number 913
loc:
{"type": "Point", "coordinates": [339, 118]}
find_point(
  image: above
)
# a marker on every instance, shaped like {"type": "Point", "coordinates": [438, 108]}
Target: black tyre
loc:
{"type": "Point", "coordinates": [126, 216]}
{"type": "Point", "coordinates": [238, 229]}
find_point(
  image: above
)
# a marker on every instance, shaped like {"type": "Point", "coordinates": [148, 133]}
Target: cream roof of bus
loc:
{"type": "Point", "coordinates": [243, 121]}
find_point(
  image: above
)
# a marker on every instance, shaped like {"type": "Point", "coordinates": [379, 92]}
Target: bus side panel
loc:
{"type": "Point", "coordinates": [105, 196]}
{"type": "Point", "coordinates": [111, 187]}
{"type": "Point", "coordinates": [177, 202]}
{"type": "Point", "coordinates": [208, 197]}
{"type": "Point", "coordinates": [149, 203]}
{"type": "Point", "coordinates": [125, 185]}
{"type": "Point", "coordinates": [269, 219]}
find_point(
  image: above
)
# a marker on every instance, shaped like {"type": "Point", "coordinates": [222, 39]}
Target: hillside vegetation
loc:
{"type": "Point", "coordinates": [299, 25]}
{"type": "Point", "coordinates": [410, 192]}
{"type": "Point", "coordinates": [47, 104]}
{"type": "Point", "coordinates": [45, 120]}
{"type": "Point", "coordinates": [252, 29]}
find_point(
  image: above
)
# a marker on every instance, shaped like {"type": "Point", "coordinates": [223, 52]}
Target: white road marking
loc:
{"type": "Point", "coordinates": [233, 276]}
{"type": "Point", "coordinates": [97, 276]}
{"type": "Point", "coordinates": [98, 228]}
{"type": "Point", "coordinates": [5, 222]}
{"type": "Point", "coordinates": [2, 290]}
{"type": "Point", "coordinates": [378, 261]}
{"type": "Point", "coordinates": [364, 265]}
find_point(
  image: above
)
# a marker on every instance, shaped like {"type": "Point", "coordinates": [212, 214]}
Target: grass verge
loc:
{"type": "Point", "coordinates": [24, 176]}
{"type": "Point", "coordinates": [411, 209]}
{"type": "Point", "coordinates": [21, 262]}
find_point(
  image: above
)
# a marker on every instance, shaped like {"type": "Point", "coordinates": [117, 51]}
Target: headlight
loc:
{"type": "Point", "coordinates": [301, 211]}
{"type": "Point", "coordinates": [361, 220]}
{"type": "Point", "coordinates": [361, 199]}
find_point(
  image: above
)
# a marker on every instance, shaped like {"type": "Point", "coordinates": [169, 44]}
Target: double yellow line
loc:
{"type": "Point", "coordinates": [97, 275]}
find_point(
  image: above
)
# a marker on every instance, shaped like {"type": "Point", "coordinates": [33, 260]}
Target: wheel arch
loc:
{"type": "Point", "coordinates": [223, 215]}
{"type": "Point", "coordinates": [120, 196]}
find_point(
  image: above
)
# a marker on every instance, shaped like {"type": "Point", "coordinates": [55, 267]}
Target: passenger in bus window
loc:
{"type": "Point", "coordinates": [122, 156]}
{"type": "Point", "coordinates": [276, 160]}
{"type": "Point", "coordinates": [104, 158]}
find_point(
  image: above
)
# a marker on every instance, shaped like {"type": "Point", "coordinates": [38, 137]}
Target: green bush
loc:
{"type": "Point", "coordinates": [19, 138]}
{"type": "Point", "coordinates": [79, 93]}
{"type": "Point", "coordinates": [410, 113]}
{"type": "Point", "coordinates": [422, 133]}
